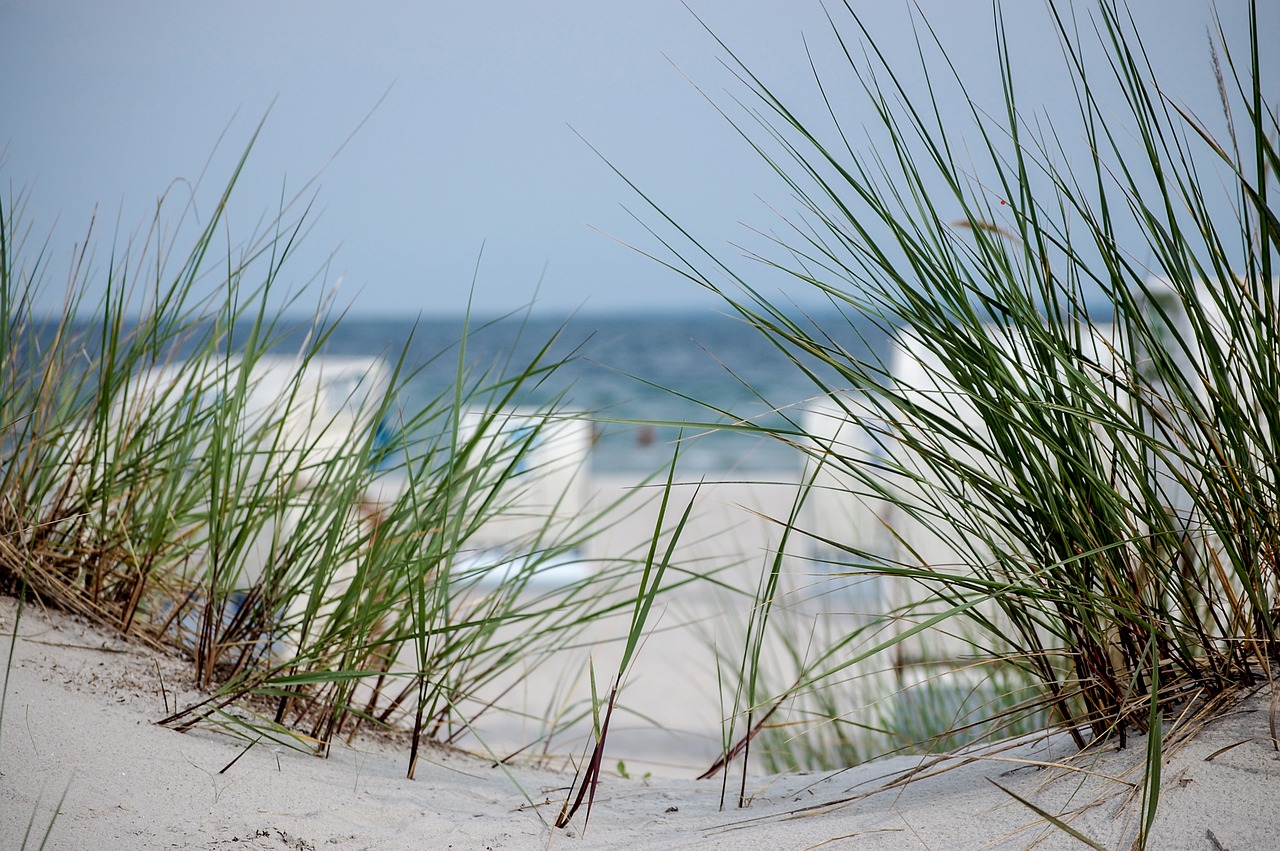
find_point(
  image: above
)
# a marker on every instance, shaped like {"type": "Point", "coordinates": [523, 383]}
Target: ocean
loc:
{"type": "Point", "coordinates": [690, 367]}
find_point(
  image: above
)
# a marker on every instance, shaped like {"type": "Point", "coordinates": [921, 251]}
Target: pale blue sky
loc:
{"type": "Point", "coordinates": [474, 144]}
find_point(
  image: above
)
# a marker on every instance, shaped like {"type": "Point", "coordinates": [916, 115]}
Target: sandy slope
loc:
{"type": "Point", "coordinates": [81, 706]}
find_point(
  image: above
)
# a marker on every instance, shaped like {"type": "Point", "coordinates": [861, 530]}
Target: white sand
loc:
{"type": "Point", "coordinates": [81, 707]}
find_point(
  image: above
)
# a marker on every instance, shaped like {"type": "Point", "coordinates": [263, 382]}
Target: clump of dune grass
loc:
{"type": "Point", "coordinates": [168, 468]}
{"type": "Point", "coordinates": [1072, 471]}
{"type": "Point", "coordinates": [786, 713]}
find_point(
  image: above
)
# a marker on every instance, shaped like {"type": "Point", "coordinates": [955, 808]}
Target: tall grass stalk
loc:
{"type": "Point", "coordinates": [587, 777]}
{"type": "Point", "coordinates": [169, 468]}
{"type": "Point", "coordinates": [1072, 466]}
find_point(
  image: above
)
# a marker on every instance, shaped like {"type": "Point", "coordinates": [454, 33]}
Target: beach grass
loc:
{"type": "Point", "coordinates": [1069, 472]}
{"type": "Point", "coordinates": [169, 468]}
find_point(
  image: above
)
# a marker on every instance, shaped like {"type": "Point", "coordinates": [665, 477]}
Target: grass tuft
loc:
{"type": "Point", "coordinates": [1064, 474]}
{"type": "Point", "coordinates": [182, 460]}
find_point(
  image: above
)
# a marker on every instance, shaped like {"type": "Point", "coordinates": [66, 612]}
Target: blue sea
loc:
{"type": "Point", "coordinates": [691, 367]}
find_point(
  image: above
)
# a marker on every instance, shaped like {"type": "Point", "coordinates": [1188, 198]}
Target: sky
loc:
{"type": "Point", "coordinates": [439, 144]}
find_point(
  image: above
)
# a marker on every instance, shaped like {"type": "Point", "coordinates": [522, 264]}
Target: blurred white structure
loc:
{"type": "Point", "coordinates": [297, 420]}
{"type": "Point", "coordinates": [844, 509]}
{"type": "Point", "coordinates": [1170, 321]}
{"type": "Point", "coordinates": [305, 413]}
{"type": "Point", "coordinates": [533, 470]}
{"type": "Point", "coordinates": [843, 514]}
{"type": "Point", "coordinates": [841, 508]}
{"type": "Point", "coordinates": [282, 427]}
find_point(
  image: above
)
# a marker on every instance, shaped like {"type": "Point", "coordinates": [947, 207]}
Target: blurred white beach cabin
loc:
{"type": "Point", "coordinates": [536, 470]}
{"type": "Point", "coordinates": [304, 422]}
{"type": "Point", "coordinates": [842, 509]}
{"type": "Point", "coordinates": [847, 519]}
{"type": "Point", "coordinates": [847, 514]}
{"type": "Point", "coordinates": [298, 424]}
{"type": "Point", "coordinates": [295, 417]}
{"type": "Point", "coordinates": [1172, 327]}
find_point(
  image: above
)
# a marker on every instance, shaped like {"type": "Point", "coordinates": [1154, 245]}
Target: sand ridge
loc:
{"type": "Point", "coordinates": [80, 715]}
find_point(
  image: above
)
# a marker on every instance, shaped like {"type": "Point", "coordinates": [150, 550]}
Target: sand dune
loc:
{"type": "Point", "coordinates": [81, 706]}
